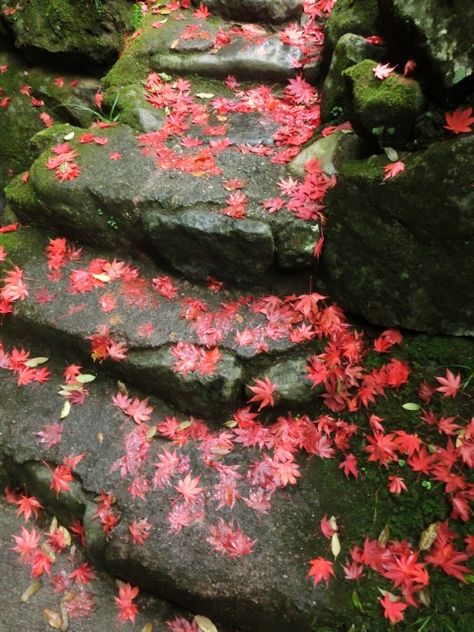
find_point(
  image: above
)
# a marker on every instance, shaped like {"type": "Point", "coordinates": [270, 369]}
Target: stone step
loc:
{"type": "Point", "coordinates": [87, 608]}
{"type": "Point", "coordinates": [232, 563]}
{"type": "Point", "coordinates": [194, 347]}
{"type": "Point", "coordinates": [183, 218]}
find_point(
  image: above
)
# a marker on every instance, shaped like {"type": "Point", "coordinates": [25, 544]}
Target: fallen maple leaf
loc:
{"type": "Point", "coordinates": [393, 169]}
{"type": "Point", "coordinates": [450, 384]}
{"type": "Point", "coordinates": [263, 392]}
{"type": "Point", "coordinates": [382, 71]}
{"type": "Point", "coordinates": [459, 121]}
{"type": "Point", "coordinates": [393, 608]}
{"type": "Point", "coordinates": [127, 609]}
{"type": "Point", "coordinates": [321, 570]}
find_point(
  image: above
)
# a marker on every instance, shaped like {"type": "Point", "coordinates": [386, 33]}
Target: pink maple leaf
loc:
{"type": "Point", "coordinates": [393, 169]}
{"type": "Point", "coordinates": [450, 384]}
{"type": "Point", "coordinates": [263, 392]}
{"type": "Point", "coordinates": [382, 71]}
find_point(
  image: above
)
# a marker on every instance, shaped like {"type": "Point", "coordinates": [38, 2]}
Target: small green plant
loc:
{"type": "Point", "coordinates": [112, 116]}
{"type": "Point", "coordinates": [137, 16]}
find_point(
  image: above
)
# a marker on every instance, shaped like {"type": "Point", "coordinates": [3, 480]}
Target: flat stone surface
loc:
{"type": "Point", "coordinates": [263, 591]}
{"type": "Point", "coordinates": [29, 615]}
{"type": "Point", "coordinates": [166, 208]}
{"type": "Point", "coordinates": [166, 336]}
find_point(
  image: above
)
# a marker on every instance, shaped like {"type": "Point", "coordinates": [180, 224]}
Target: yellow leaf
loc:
{"type": "Point", "coordinates": [174, 44]}
{"type": "Point", "coordinates": [148, 627]}
{"type": "Point", "coordinates": [85, 378]}
{"type": "Point", "coordinates": [122, 387]}
{"type": "Point", "coordinates": [205, 95]}
{"type": "Point", "coordinates": [424, 596]}
{"type": "Point", "coordinates": [184, 424]}
{"type": "Point", "coordinates": [230, 424]}
{"type": "Point", "coordinates": [100, 438]}
{"type": "Point", "coordinates": [31, 590]}
{"type": "Point", "coordinates": [333, 523]}
{"type": "Point", "coordinates": [384, 536]}
{"type": "Point", "coordinates": [335, 545]}
{"type": "Point", "coordinates": [151, 432]}
{"type": "Point", "coordinates": [53, 619]}
{"type": "Point", "coordinates": [65, 617]}
{"type": "Point", "coordinates": [34, 362]}
{"type": "Point", "coordinates": [428, 536]}
{"type": "Point", "coordinates": [205, 624]}
{"type": "Point", "coordinates": [102, 277]}
{"type": "Point", "coordinates": [65, 410]}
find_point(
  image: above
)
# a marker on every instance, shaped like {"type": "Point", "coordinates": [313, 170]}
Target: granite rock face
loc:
{"type": "Point", "coordinates": [440, 34]}
{"type": "Point", "coordinates": [400, 252]}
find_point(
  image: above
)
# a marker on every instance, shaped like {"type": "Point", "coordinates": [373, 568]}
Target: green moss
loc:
{"type": "Point", "coordinates": [22, 245]}
{"type": "Point", "coordinates": [65, 26]}
{"type": "Point", "coordinates": [385, 108]}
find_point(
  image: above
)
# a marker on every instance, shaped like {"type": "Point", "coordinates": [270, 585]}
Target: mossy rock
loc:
{"type": "Point", "coordinates": [350, 50]}
{"type": "Point", "coordinates": [70, 30]}
{"type": "Point", "coordinates": [399, 252]}
{"type": "Point", "coordinates": [351, 16]}
{"type": "Point", "coordinates": [437, 33]}
{"type": "Point", "coordinates": [385, 110]}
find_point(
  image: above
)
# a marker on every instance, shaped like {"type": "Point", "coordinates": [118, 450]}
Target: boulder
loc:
{"type": "Point", "coordinates": [349, 51]}
{"type": "Point", "coordinates": [166, 209]}
{"type": "Point", "coordinates": [66, 30]}
{"type": "Point", "coordinates": [251, 10]}
{"type": "Point", "coordinates": [384, 110]}
{"type": "Point", "coordinates": [399, 252]}
{"type": "Point", "coordinates": [198, 364]}
{"type": "Point", "coordinates": [265, 589]}
{"type": "Point", "coordinates": [359, 17]}
{"type": "Point", "coordinates": [213, 243]}
{"type": "Point", "coordinates": [437, 33]}
{"type": "Point", "coordinates": [266, 60]}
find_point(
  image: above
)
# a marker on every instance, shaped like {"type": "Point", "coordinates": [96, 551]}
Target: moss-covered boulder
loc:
{"type": "Point", "coordinates": [439, 33]}
{"type": "Point", "coordinates": [349, 51]}
{"type": "Point", "coordinates": [385, 110]}
{"type": "Point", "coordinates": [351, 16]}
{"type": "Point", "coordinates": [399, 252]}
{"type": "Point", "coordinates": [30, 98]}
{"type": "Point", "coordinates": [250, 10]}
{"type": "Point", "coordinates": [68, 30]}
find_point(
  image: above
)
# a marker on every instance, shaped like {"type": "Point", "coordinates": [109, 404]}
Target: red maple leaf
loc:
{"type": "Point", "coordinates": [127, 609]}
{"type": "Point", "coordinates": [189, 488]}
{"type": "Point", "coordinates": [447, 558]}
{"type": "Point", "coordinates": [450, 384]}
{"type": "Point", "coordinates": [393, 169]}
{"type": "Point", "coordinates": [349, 466]}
{"type": "Point", "coordinates": [459, 121]}
{"type": "Point", "coordinates": [393, 608]}
{"type": "Point", "coordinates": [321, 570]}
{"type": "Point", "coordinates": [139, 410]}
{"type": "Point", "coordinates": [28, 505]}
{"type": "Point", "coordinates": [139, 531]}
{"type": "Point", "coordinates": [263, 392]}
{"type": "Point", "coordinates": [26, 544]}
